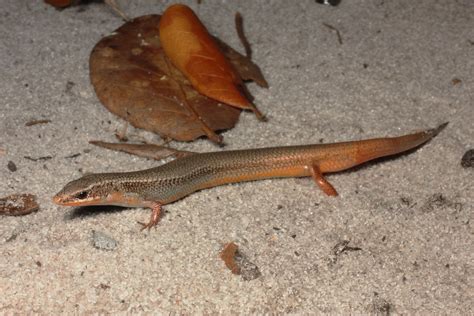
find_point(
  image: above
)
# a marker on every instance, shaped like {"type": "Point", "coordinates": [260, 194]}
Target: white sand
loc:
{"type": "Point", "coordinates": [411, 215]}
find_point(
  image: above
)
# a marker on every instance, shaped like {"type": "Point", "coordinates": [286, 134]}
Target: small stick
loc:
{"type": "Point", "coordinates": [239, 25]}
{"type": "Point", "coordinates": [339, 37]}
{"type": "Point", "coordinates": [36, 122]}
{"type": "Point", "coordinates": [38, 159]}
{"type": "Point", "coordinates": [115, 7]}
{"type": "Point", "coordinates": [153, 151]}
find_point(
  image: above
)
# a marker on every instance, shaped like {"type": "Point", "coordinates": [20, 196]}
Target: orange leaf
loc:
{"type": "Point", "coordinates": [194, 52]}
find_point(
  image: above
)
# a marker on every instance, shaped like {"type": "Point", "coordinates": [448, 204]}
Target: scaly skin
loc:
{"type": "Point", "coordinates": [172, 181]}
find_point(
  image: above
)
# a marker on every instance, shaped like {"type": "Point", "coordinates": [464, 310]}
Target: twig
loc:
{"type": "Point", "coordinates": [239, 25]}
{"type": "Point", "coordinates": [73, 156]}
{"type": "Point", "coordinates": [112, 4]}
{"type": "Point", "coordinates": [153, 151]}
{"type": "Point", "coordinates": [39, 158]}
{"type": "Point", "coordinates": [36, 122]}
{"type": "Point", "coordinates": [339, 37]}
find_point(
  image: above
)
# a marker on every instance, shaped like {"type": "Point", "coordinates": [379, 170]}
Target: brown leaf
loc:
{"type": "Point", "coordinates": [18, 204]}
{"type": "Point", "coordinates": [246, 69]}
{"type": "Point", "coordinates": [238, 263]}
{"type": "Point", "coordinates": [144, 150]}
{"type": "Point", "coordinates": [133, 79]}
{"type": "Point", "coordinates": [228, 256]}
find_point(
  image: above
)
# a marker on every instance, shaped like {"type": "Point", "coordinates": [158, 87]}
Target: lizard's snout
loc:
{"type": "Point", "coordinates": [58, 199]}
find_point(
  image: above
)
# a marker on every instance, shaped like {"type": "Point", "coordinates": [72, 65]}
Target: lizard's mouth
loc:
{"type": "Point", "coordinates": [58, 200]}
{"type": "Point", "coordinates": [61, 199]}
{"type": "Point", "coordinates": [66, 200]}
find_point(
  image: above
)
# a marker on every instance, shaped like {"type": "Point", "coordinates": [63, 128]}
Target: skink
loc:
{"type": "Point", "coordinates": [167, 183]}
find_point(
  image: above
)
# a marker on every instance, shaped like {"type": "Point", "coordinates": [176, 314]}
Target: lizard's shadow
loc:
{"type": "Point", "coordinates": [89, 211]}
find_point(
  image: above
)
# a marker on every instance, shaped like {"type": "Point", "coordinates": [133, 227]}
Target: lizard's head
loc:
{"type": "Point", "coordinates": [84, 191]}
{"type": "Point", "coordinates": [100, 189]}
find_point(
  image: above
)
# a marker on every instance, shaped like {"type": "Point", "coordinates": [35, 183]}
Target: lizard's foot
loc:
{"type": "Point", "coordinates": [155, 216]}
{"type": "Point", "coordinates": [321, 181]}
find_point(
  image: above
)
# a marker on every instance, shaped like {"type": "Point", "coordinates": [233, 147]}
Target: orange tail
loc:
{"type": "Point", "coordinates": [380, 147]}
{"type": "Point", "coordinates": [350, 154]}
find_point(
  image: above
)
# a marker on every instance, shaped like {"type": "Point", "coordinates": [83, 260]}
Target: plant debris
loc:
{"type": "Point", "coordinates": [135, 80]}
{"type": "Point", "coordinates": [239, 25]}
{"type": "Point", "coordinates": [342, 247]}
{"type": "Point", "coordinates": [467, 160]}
{"type": "Point", "coordinates": [339, 37]}
{"type": "Point", "coordinates": [190, 47]}
{"type": "Point", "coordinates": [115, 7]}
{"type": "Point", "coordinates": [246, 69]}
{"type": "Point", "coordinates": [38, 159]}
{"type": "Point", "coordinates": [152, 151]}
{"type": "Point", "coordinates": [18, 204]}
{"type": "Point", "coordinates": [238, 264]}
{"type": "Point", "coordinates": [228, 256]}
{"type": "Point", "coordinates": [36, 122]}
{"type": "Point", "coordinates": [12, 166]}
{"type": "Point", "coordinates": [73, 156]}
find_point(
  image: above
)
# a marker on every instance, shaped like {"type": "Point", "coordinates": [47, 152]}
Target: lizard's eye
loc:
{"type": "Point", "coordinates": [81, 195]}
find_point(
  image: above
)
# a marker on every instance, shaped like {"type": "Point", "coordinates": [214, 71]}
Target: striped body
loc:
{"type": "Point", "coordinates": [183, 176]}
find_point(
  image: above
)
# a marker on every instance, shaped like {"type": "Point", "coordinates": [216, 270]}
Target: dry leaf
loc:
{"type": "Point", "coordinates": [237, 263]}
{"type": "Point", "coordinates": [18, 204]}
{"type": "Point", "coordinates": [228, 256]}
{"type": "Point", "coordinates": [133, 79]}
{"type": "Point", "coordinates": [246, 69]}
{"type": "Point", "coordinates": [152, 151]}
{"type": "Point", "coordinates": [193, 50]}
